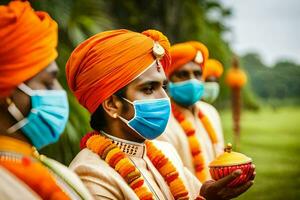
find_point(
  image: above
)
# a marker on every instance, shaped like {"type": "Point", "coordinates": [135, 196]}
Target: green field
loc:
{"type": "Point", "coordinates": [272, 139]}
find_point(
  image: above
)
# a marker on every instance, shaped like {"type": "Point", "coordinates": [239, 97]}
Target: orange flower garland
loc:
{"type": "Point", "coordinates": [195, 146]}
{"type": "Point", "coordinates": [35, 175]}
{"type": "Point", "coordinates": [208, 127]}
{"type": "Point", "coordinates": [118, 160]}
{"type": "Point", "coordinates": [168, 172]}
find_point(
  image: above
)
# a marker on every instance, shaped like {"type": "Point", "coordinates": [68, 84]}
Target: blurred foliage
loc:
{"type": "Point", "coordinates": [270, 83]}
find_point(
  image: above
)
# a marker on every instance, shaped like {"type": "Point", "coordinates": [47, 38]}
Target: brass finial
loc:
{"type": "Point", "coordinates": [228, 148]}
{"type": "Point", "coordinates": [158, 50]}
{"type": "Point", "coordinates": [198, 58]}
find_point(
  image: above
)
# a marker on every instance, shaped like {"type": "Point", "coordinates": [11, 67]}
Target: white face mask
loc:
{"type": "Point", "coordinates": [211, 91]}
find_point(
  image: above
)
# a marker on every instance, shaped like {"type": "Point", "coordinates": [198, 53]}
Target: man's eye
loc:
{"type": "Point", "coordinates": [165, 87]}
{"type": "Point", "coordinates": [183, 74]}
{"type": "Point", "coordinates": [49, 85]}
{"type": "Point", "coordinates": [197, 74]}
{"type": "Point", "coordinates": [148, 90]}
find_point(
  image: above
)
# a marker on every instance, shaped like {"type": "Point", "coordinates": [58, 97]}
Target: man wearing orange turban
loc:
{"type": "Point", "coordinates": [212, 73]}
{"type": "Point", "coordinates": [119, 77]}
{"type": "Point", "coordinates": [194, 128]}
{"type": "Point", "coordinates": [33, 108]}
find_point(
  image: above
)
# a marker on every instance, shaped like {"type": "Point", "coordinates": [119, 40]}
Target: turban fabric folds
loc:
{"type": "Point", "coordinates": [183, 53]}
{"type": "Point", "coordinates": [27, 45]}
{"type": "Point", "coordinates": [108, 61]}
{"type": "Point", "coordinates": [213, 68]}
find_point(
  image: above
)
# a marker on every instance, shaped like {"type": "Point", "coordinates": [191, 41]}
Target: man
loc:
{"type": "Point", "coordinates": [33, 108]}
{"type": "Point", "coordinates": [193, 127]}
{"type": "Point", "coordinates": [118, 76]}
{"type": "Point", "coordinates": [212, 72]}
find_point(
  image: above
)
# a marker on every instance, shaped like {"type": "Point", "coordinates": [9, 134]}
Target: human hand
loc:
{"type": "Point", "coordinates": [219, 190]}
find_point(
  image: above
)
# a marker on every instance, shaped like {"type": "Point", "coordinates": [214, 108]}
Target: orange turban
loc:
{"type": "Point", "coordinates": [183, 53]}
{"type": "Point", "coordinates": [213, 68]}
{"type": "Point", "coordinates": [27, 45]}
{"type": "Point", "coordinates": [108, 61]}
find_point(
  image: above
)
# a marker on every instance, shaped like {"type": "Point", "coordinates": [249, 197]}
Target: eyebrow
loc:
{"type": "Point", "coordinates": [141, 84]}
{"type": "Point", "coordinates": [53, 72]}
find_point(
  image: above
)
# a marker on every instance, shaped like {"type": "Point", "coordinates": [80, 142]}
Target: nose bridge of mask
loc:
{"type": "Point", "coordinates": [196, 81]}
{"type": "Point", "coordinates": [193, 80]}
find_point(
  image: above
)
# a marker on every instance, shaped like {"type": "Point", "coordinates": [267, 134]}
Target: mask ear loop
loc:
{"type": "Point", "coordinates": [120, 117]}
{"type": "Point", "coordinates": [128, 121]}
{"type": "Point", "coordinates": [27, 90]}
{"type": "Point", "coordinates": [15, 112]}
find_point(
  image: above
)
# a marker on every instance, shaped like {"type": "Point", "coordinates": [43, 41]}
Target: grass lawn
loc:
{"type": "Point", "coordinates": [272, 140]}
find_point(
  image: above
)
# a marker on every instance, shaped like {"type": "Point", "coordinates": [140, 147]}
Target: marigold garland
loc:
{"type": "Point", "coordinates": [208, 127]}
{"type": "Point", "coordinates": [16, 158]}
{"type": "Point", "coordinates": [195, 146]}
{"type": "Point", "coordinates": [118, 160]}
{"type": "Point", "coordinates": [168, 171]}
{"type": "Point", "coordinates": [36, 176]}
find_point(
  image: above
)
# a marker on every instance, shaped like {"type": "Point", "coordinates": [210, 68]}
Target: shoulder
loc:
{"type": "Point", "coordinates": [208, 110]}
{"type": "Point", "coordinates": [67, 175]}
{"type": "Point", "coordinates": [99, 177]}
{"type": "Point", "coordinates": [170, 152]}
{"type": "Point", "coordinates": [173, 131]}
{"type": "Point", "coordinates": [206, 107]}
{"type": "Point", "coordinates": [87, 162]}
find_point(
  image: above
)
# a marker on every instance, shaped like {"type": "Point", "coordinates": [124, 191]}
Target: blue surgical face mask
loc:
{"type": "Point", "coordinates": [211, 91]}
{"type": "Point", "coordinates": [186, 93]}
{"type": "Point", "coordinates": [47, 118]}
{"type": "Point", "coordinates": [151, 117]}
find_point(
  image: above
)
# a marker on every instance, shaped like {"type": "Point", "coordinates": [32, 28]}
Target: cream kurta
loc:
{"type": "Point", "coordinates": [175, 135]}
{"type": "Point", "coordinates": [105, 183]}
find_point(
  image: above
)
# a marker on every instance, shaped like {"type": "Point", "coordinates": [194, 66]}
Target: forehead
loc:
{"type": "Point", "coordinates": [190, 66]}
{"type": "Point", "coordinates": [52, 67]}
{"type": "Point", "coordinates": [153, 73]}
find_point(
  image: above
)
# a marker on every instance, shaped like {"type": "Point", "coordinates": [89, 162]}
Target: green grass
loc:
{"type": "Point", "coordinates": [272, 139]}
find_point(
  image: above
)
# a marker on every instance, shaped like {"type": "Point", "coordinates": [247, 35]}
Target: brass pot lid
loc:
{"type": "Point", "coordinates": [230, 158]}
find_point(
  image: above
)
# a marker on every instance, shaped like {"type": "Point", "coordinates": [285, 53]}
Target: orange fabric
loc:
{"type": "Point", "coordinates": [15, 145]}
{"type": "Point", "coordinates": [213, 68]}
{"type": "Point", "coordinates": [28, 44]}
{"type": "Point", "coordinates": [36, 176]}
{"type": "Point", "coordinates": [108, 61]}
{"type": "Point", "coordinates": [183, 53]}
{"type": "Point", "coordinates": [32, 173]}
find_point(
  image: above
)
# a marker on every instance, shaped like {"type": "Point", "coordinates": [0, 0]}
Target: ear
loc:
{"type": "Point", "coordinates": [112, 106]}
